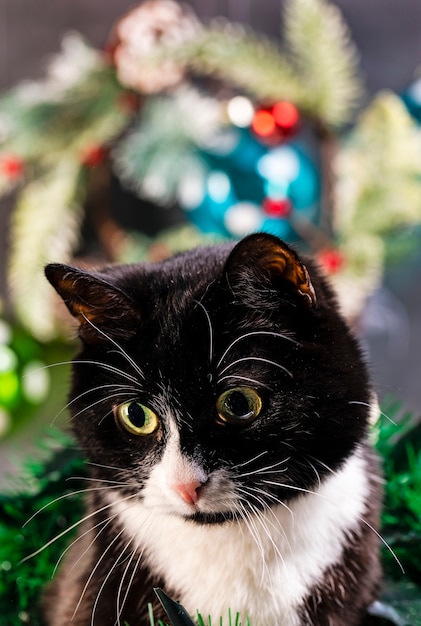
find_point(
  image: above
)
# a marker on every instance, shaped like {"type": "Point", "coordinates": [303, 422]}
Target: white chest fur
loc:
{"type": "Point", "coordinates": [263, 567]}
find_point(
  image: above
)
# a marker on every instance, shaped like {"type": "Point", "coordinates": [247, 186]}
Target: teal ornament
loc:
{"type": "Point", "coordinates": [240, 177]}
{"type": "Point", "coordinates": [412, 99]}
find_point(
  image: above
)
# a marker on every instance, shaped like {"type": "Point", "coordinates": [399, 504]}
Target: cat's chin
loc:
{"type": "Point", "coordinates": [211, 518]}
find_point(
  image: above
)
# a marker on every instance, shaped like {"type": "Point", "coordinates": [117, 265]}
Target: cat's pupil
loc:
{"type": "Point", "coordinates": [136, 415]}
{"type": "Point", "coordinates": [238, 404]}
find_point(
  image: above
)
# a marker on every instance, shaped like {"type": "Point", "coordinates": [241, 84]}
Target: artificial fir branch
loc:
{"type": "Point", "coordinates": [379, 171]}
{"type": "Point", "coordinates": [238, 56]}
{"type": "Point", "coordinates": [45, 226]}
{"type": "Point", "coordinates": [39, 484]}
{"type": "Point", "coordinates": [399, 443]}
{"type": "Point", "coordinates": [324, 57]}
{"type": "Point", "coordinates": [377, 192]}
{"type": "Point", "coordinates": [85, 115]}
{"type": "Point", "coordinates": [161, 148]}
{"type": "Point", "coordinates": [54, 133]}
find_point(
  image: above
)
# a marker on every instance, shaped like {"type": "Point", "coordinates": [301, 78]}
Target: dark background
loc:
{"type": "Point", "coordinates": [388, 36]}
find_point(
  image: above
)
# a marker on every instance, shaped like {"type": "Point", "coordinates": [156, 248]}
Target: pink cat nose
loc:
{"type": "Point", "coordinates": [188, 491]}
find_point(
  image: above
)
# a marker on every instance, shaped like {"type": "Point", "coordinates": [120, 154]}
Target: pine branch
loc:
{"type": "Point", "coordinates": [378, 192]}
{"type": "Point", "coordinates": [87, 114]}
{"type": "Point", "coordinates": [379, 171]}
{"type": "Point", "coordinates": [157, 153]}
{"type": "Point", "coordinates": [325, 59]}
{"type": "Point", "coordinates": [399, 442]}
{"type": "Point", "coordinates": [45, 226]}
{"type": "Point", "coordinates": [251, 62]}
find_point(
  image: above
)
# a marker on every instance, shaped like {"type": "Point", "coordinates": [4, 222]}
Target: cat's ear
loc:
{"type": "Point", "coordinates": [261, 259]}
{"type": "Point", "coordinates": [102, 310]}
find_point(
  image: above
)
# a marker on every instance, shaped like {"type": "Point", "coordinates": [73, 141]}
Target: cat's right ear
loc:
{"type": "Point", "coordinates": [102, 310]}
{"type": "Point", "coordinates": [262, 260]}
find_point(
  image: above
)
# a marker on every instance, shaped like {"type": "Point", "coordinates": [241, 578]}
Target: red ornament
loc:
{"type": "Point", "coordinates": [275, 124]}
{"type": "Point", "coordinates": [277, 207]}
{"type": "Point", "coordinates": [285, 115]}
{"type": "Point", "coordinates": [332, 260]}
{"type": "Point", "coordinates": [11, 167]}
{"type": "Point", "coordinates": [263, 123]}
{"type": "Point", "coordinates": [93, 156]}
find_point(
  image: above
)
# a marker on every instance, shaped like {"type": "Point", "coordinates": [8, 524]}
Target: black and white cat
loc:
{"type": "Point", "coordinates": [223, 407]}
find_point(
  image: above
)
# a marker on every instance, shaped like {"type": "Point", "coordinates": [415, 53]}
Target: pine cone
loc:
{"type": "Point", "coordinates": [141, 33]}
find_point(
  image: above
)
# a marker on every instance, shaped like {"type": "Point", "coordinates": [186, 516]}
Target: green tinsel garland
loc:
{"type": "Point", "coordinates": [21, 581]}
{"type": "Point", "coordinates": [51, 485]}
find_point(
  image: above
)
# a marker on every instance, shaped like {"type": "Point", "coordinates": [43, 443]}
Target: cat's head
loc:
{"type": "Point", "coordinates": [221, 378]}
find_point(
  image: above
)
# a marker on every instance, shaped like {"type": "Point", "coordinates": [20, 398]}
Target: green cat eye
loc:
{"type": "Point", "coordinates": [137, 418]}
{"type": "Point", "coordinates": [239, 405]}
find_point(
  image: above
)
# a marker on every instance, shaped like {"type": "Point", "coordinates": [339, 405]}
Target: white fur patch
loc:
{"type": "Point", "coordinates": [263, 569]}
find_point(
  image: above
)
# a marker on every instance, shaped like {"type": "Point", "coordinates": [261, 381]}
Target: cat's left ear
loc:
{"type": "Point", "coordinates": [264, 259]}
{"type": "Point", "coordinates": [101, 308]}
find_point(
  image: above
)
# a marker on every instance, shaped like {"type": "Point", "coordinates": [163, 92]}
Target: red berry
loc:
{"type": "Point", "coordinates": [286, 115]}
{"type": "Point", "coordinates": [11, 167]}
{"type": "Point", "coordinates": [332, 260]}
{"type": "Point", "coordinates": [263, 123]}
{"type": "Point", "coordinates": [93, 156]}
{"type": "Point", "coordinates": [277, 207]}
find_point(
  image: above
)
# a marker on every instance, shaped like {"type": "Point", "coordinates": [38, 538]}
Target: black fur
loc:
{"type": "Point", "coordinates": [177, 320]}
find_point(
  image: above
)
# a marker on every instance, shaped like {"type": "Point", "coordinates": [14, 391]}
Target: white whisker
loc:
{"type": "Point", "coordinates": [103, 523]}
{"type": "Point", "coordinates": [322, 464]}
{"type": "Point", "coordinates": [101, 480]}
{"type": "Point", "coordinates": [62, 497]}
{"type": "Point", "coordinates": [361, 519]}
{"type": "Point", "coordinates": [272, 497]}
{"type": "Point", "coordinates": [210, 329]}
{"type": "Point", "coordinates": [250, 460]}
{"type": "Point", "coordinates": [319, 482]}
{"type": "Point", "coordinates": [101, 589]}
{"type": "Point", "coordinates": [121, 351]}
{"type": "Point", "coordinates": [245, 379]}
{"type": "Point", "coordinates": [294, 488]}
{"type": "Point", "coordinates": [91, 575]}
{"type": "Point", "coordinates": [253, 334]}
{"type": "Point", "coordinates": [120, 604]}
{"type": "Point", "coordinates": [75, 525]}
{"type": "Point", "coordinates": [254, 533]}
{"type": "Point", "coordinates": [101, 400]}
{"type": "Point", "coordinates": [111, 467]}
{"type": "Point", "coordinates": [384, 542]}
{"type": "Point", "coordinates": [106, 366]}
{"type": "Point", "coordinates": [121, 388]}
{"type": "Point", "coordinates": [370, 406]}
{"type": "Point", "coordinates": [256, 358]}
{"type": "Point", "coordinates": [262, 520]}
{"type": "Point", "coordinates": [269, 469]}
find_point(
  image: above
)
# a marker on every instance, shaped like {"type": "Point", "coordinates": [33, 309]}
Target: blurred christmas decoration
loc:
{"type": "Point", "coordinates": [145, 30]}
{"type": "Point", "coordinates": [24, 379]}
{"type": "Point", "coordinates": [52, 489]}
{"type": "Point", "coordinates": [210, 131]}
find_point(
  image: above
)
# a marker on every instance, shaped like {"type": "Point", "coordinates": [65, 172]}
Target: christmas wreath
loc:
{"type": "Point", "coordinates": [219, 126]}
